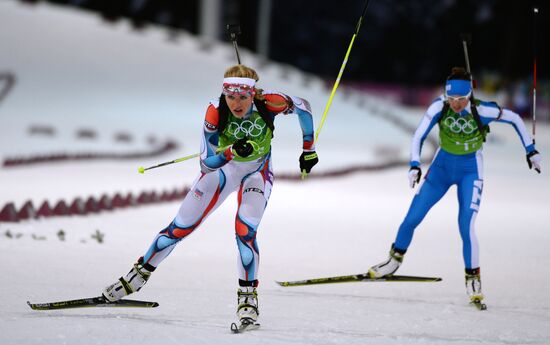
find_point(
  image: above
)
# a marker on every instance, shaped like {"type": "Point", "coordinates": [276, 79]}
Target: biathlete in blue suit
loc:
{"type": "Point", "coordinates": [463, 124]}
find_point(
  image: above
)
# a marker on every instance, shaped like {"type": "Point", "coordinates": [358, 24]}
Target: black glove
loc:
{"type": "Point", "coordinates": [415, 173]}
{"type": "Point", "coordinates": [533, 159]}
{"type": "Point", "coordinates": [308, 161]}
{"type": "Point", "coordinates": [243, 148]}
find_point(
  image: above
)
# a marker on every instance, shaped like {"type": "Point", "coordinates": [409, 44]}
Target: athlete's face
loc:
{"type": "Point", "coordinates": [239, 104]}
{"type": "Point", "coordinates": [457, 103]}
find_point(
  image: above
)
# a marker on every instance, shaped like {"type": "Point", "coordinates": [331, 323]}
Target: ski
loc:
{"type": "Point", "coordinates": [363, 277]}
{"type": "Point", "coordinates": [244, 326]}
{"type": "Point", "coordinates": [478, 304]}
{"type": "Point", "coordinates": [92, 302]}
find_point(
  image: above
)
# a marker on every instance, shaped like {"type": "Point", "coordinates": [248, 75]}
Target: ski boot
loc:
{"type": "Point", "coordinates": [388, 267]}
{"type": "Point", "coordinates": [247, 299]}
{"type": "Point", "coordinates": [473, 288]}
{"type": "Point", "coordinates": [247, 309]}
{"type": "Point", "coordinates": [132, 282]}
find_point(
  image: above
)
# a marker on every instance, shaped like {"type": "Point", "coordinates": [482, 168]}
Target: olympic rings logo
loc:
{"type": "Point", "coordinates": [460, 125]}
{"type": "Point", "coordinates": [246, 128]}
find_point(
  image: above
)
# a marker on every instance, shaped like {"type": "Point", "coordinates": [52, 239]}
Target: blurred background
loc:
{"type": "Point", "coordinates": [405, 48]}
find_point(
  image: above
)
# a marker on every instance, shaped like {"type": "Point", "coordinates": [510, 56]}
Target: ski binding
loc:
{"type": "Point", "coordinates": [476, 302]}
{"type": "Point", "coordinates": [245, 325]}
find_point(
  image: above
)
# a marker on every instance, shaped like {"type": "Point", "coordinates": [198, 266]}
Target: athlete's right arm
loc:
{"type": "Point", "coordinates": [429, 120]}
{"type": "Point", "coordinates": [211, 160]}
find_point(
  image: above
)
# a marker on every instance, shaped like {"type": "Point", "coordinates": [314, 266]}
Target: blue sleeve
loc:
{"type": "Point", "coordinates": [429, 120]}
{"type": "Point", "coordinates": [306, 123]}
{"type": "Point", "coordinates": [490, 111]}
{"type": "Point", "coordinates": [210, 160]}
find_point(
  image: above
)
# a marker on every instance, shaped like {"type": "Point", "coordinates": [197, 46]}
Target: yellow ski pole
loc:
{"type": "Point", "coordinates": [141, 170]}
{"type": "Point", "coordinates": [337, 82]}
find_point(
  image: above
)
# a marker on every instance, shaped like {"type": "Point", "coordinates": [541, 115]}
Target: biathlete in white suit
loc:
{"type": "Point", "coordinates": [235, 156]}
{"type": "Point", "coordinates": [458, 161]}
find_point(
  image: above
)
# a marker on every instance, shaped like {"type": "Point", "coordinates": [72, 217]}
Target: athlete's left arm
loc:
{"type": "Point", "coordinates": [279, 103]}
{"type": "Point", "coordinates": [490, 111]}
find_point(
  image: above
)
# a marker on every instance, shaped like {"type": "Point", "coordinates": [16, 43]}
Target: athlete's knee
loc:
{"type": "Point", "coordinates": [466, 224]}
{"type": "Point", "coordinates": [244, 230]}
{"type": "Point", "coordinates": [174, 231]}
{"type": "Point", "coordinates": [410, 222]}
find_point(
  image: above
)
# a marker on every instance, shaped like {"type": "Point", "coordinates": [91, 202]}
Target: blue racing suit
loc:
{"type": "Point", "coordinates": [450, 166]}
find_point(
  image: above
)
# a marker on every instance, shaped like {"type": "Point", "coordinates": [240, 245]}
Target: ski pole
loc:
{"type": "Point", "coordinates": [234, 30]}
{"type": "Point", "coordinates": [337, 82]}
{"type": "Point", "coordinates": [466, 38]}
{"type": "Point", "coordinates": [535, 12]}
{"type": "Point", "coordinates": [141, 170]}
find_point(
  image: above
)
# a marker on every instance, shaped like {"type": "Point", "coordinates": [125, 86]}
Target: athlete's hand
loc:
{"type": "Point", "coordinates": [414, 176]}
{"type": "Point", "coordinates": [308, 161]}
{"type": "Point", "coordinates": [533, 160]}
{"type": "Point", "coordinates": [243, 148]}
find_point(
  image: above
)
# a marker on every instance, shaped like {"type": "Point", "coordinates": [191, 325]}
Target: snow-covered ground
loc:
{"type": "Point", "coordinates": [74, 72]}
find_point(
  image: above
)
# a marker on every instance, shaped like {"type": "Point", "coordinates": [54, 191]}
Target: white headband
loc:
{"type": "Point", "coordinates": [241, 81]}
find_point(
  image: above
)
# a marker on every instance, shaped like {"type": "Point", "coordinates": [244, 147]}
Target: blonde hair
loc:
{"type": "Point", "coordinates": [242, 71]}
